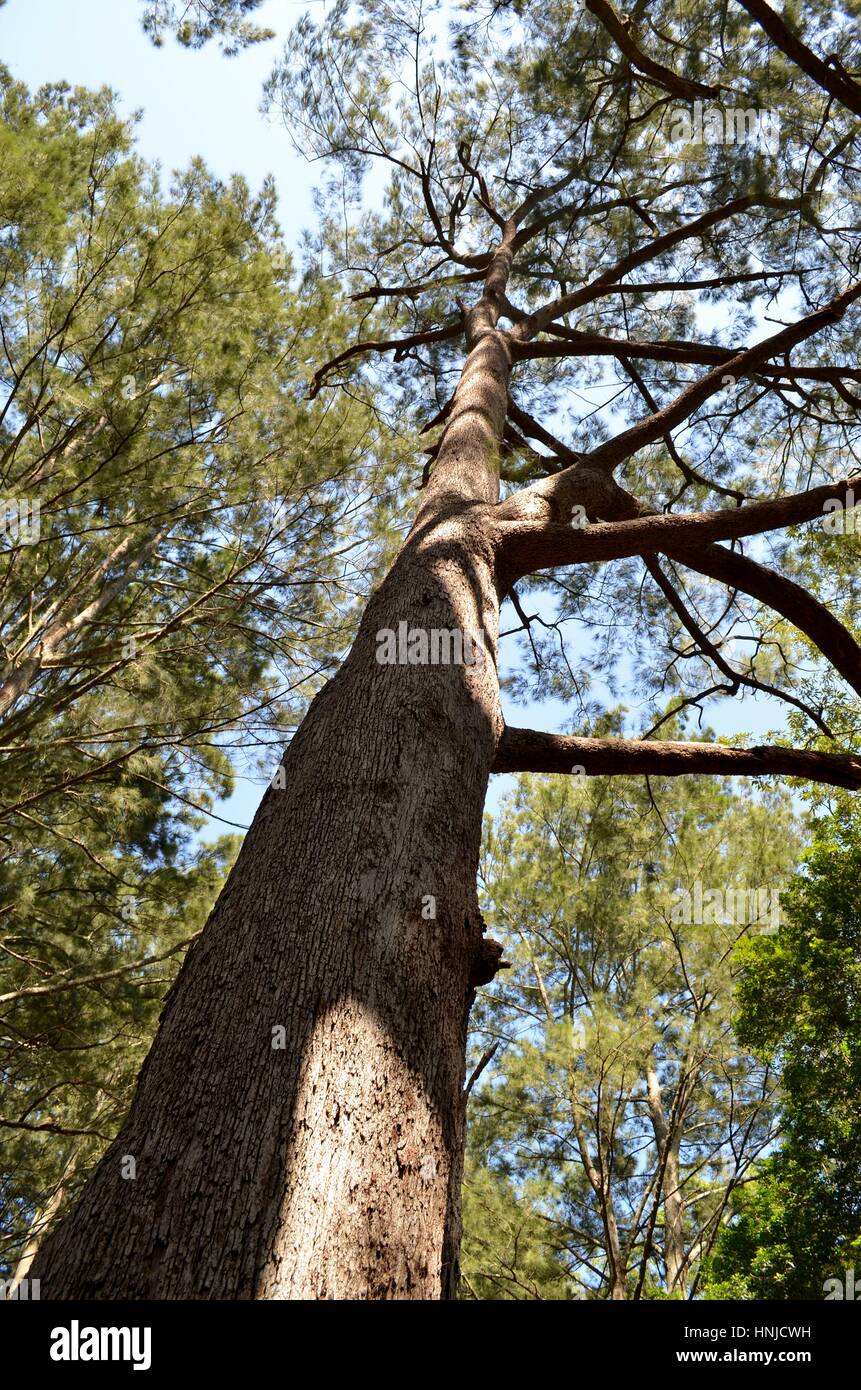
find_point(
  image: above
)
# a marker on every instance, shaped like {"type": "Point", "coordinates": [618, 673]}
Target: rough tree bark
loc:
{"type": "Point", "coordinates": [330, 1167]}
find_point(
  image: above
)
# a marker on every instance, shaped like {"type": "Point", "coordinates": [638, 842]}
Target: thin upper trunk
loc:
{"type": "Point", "coordinates": [674, 1206]}
{"type": "Point", "coordinates": [43, 1221]}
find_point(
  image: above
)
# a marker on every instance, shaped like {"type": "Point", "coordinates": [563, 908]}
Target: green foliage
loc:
{"type": "Point", "coordinates": [507, 1253]}
{"type": "Point", "coordinates": [620, 1104]}
{"type": "Point", "coordinates": [799, 1222]}
{"type": "Point", "coordinates": [195, 22]}
{"type": "Point", "coordinates": [70, 1052]}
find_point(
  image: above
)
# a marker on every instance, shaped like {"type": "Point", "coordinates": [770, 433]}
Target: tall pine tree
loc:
{"type": "Point", "coordinates": [616, 268]}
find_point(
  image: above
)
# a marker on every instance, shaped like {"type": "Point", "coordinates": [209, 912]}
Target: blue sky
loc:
{"type": "Point", "coordinates": [193, 103]}
{"type": "Point", "coordinates": [199, 103]}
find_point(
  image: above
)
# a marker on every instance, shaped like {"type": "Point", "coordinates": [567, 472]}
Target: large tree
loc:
{"type": "Point", "coordinates": [799, 1224]}
{"type": "Point", "coordinates": [617, 1104]}
{"type": "Point", "coordinates": [617, 267]}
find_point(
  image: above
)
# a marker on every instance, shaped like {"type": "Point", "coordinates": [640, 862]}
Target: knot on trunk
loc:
{"type": "Point", "coordinates": [486, 962]}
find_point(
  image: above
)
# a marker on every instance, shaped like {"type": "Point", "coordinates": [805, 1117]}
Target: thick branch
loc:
{"type": "Point", "coordinates": [535, 430]}
{"type": "Point", "coordinates": [526, 545]}
{"type": "Point", "coordinates": [662, 76]}
{"type": "Point", "coordinates": [828, 74]}
{"type": "Point", "coordinates": [571, 343]}
{"type": "Point", "coordinates": [791, 600]}
{"type": "Point", "coordinates": [529, 750]}
{"type": "Point", "coordinates": [784, 596]}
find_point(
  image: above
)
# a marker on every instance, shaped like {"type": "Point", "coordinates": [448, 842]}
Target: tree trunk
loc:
{"type": "Point", "coordinates": [43, 1221]}
{"type": "Point", "coordinates": [597, 1170]}
{"type": "Point", "coordinates": [674, 1207]}
{"type": "Point", "coordinates": [674, 1221]}
{"type": "Point", "coordinates": [297, 1130]}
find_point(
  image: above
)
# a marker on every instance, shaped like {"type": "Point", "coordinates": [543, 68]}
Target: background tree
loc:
{"type": "Point", "coordinates": [799, 1224]}
{"type": "Point", "coordinates": [73, 1043]}
{"type": "Point", "coordinates": [621, 1107]}
{"type": "Point", "coordinates": [580, 296]}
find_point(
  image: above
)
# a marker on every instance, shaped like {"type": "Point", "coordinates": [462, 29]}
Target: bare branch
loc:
{"type": "Point", "coordinates": [60, 986]}
{"type": "Point", "coordinates": [709, 649]}
{"type": "Point", "coordinates": [664, 77]}
{"type": "Point", "coordinates": [653, 427]}
{"type": "Point", "coordinates": [539, 319]}
{"type": "Point", "coordinates": [486, 1058]}
{"type": "Point", "coordinates": [396, 345]}
{"type": "Point", "coordinates": [530, 750]}
{"type": "Point", "coordinates": [828, 74]}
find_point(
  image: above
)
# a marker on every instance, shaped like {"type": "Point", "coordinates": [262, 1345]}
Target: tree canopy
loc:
{"type": "Point", "coordinates": [681, 315]}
